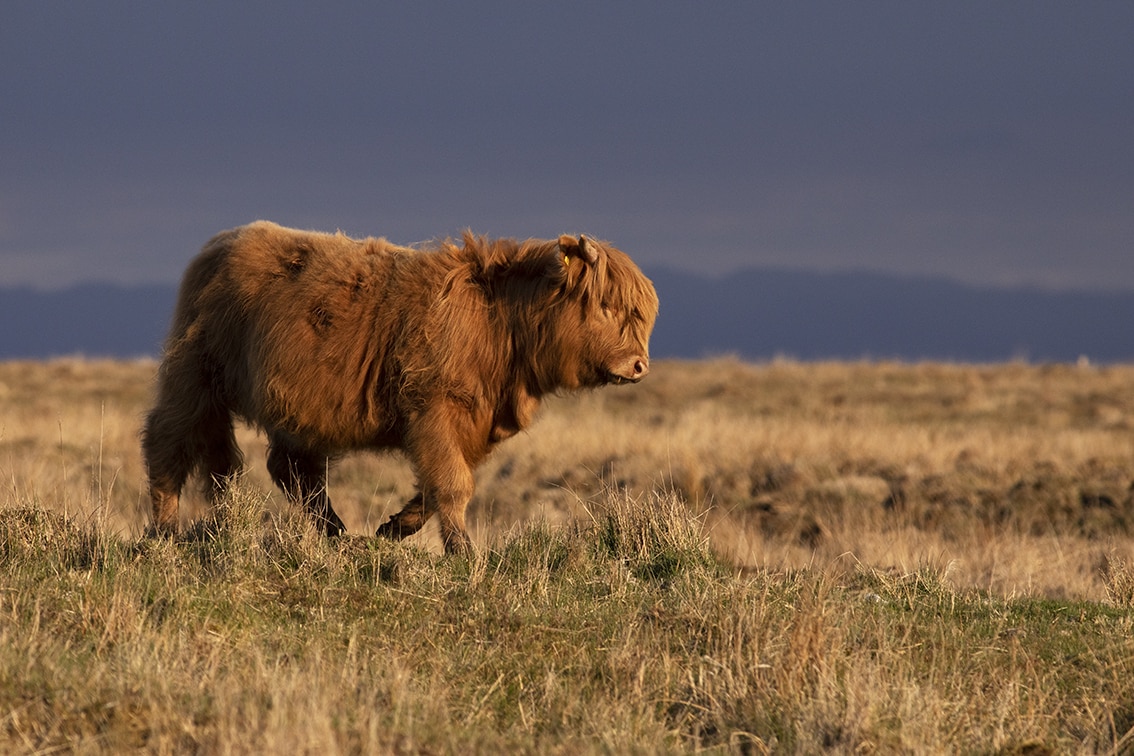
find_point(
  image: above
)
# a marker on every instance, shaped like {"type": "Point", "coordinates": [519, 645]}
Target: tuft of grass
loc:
{"type": "Point", "coordinates": [1119, 576]}
{"type": "Point", "coordinates": [655, 537]}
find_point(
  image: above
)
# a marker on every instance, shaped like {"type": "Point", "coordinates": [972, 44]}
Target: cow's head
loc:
{"type": "Point", "coordinates": [604, 310]}
{"type": "Point", "coordinates": [578, 311]}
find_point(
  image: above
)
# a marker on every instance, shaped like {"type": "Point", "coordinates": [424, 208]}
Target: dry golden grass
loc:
{"type": "Point", "coordinates": [1015, 478]}
{"type": "Point", "coordinates": [753, 558]}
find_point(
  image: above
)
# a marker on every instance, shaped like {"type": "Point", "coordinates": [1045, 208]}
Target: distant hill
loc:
{"type": "Point", "coordinates": [759, 314]}
{"type": "Point", "coordinates": [755, 314]}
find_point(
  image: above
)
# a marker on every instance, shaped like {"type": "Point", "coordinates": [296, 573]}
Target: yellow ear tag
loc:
{"type": "Point", "coordinates": [567, 260]}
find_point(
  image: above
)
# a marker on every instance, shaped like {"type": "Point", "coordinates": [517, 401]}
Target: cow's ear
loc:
{"type": "Point", "coordinates": [581, 248]}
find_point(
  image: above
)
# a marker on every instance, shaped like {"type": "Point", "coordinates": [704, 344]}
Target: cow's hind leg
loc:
{"type": "Point", "coordinates": [184, 434]}
{"type": "Point", "coordinates": [302, 475]}
{"type": "Point", "coordinates": [221, 458]}
{"type": "Point", "coordinates": [169, 461]}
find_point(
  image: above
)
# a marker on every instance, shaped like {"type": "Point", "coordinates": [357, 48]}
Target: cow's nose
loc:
{"type": "Point", "coordinates": [641, 367]}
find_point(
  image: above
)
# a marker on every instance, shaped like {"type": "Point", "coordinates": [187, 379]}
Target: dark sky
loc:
{"type": "Point", "coordinates": [991, 143]}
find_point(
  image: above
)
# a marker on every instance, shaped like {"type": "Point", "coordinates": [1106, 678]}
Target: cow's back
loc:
{"type": "Point", "coordinates": [296, 325]}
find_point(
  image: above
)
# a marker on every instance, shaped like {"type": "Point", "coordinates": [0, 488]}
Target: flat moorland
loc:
{"type": "Point", "coordinates": [783, 557]}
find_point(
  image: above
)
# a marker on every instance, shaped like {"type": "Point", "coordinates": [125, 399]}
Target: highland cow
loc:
{"type": "Point", "coordinates": [331, 344]}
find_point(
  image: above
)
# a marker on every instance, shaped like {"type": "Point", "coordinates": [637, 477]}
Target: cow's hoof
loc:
{"type": "Point", "coordinates": [458, 543]}
{"type": "Point", "coordinates": [391, 529]}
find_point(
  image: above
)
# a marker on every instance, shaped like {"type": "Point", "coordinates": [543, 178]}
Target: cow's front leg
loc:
{"type": "Point", "coordinates": [452, 501]}
{"type": "Point", "coordinates": [443, 457]}
{"type": "Point", "coordinates": [408, 521]}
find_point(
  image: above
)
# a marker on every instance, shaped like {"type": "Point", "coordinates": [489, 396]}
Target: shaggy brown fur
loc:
{"type": "Point", "coordinates": [331, 344]}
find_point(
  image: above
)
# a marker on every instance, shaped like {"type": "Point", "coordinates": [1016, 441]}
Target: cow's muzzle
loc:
{"type": "Point", "coordinates": [632, 372]}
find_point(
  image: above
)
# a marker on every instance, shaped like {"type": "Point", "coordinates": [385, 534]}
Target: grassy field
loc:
{"type": "Point", "coordinates": [785, 557]}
